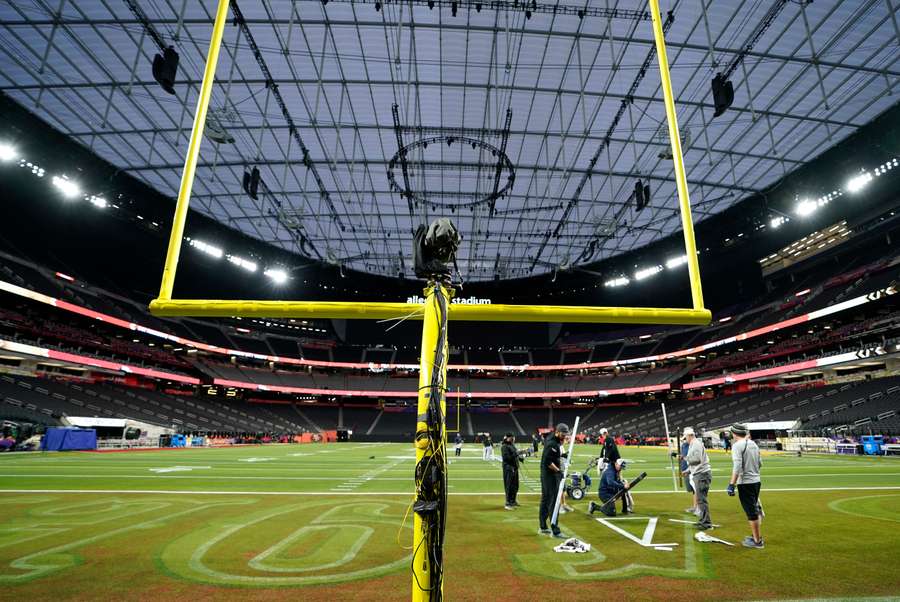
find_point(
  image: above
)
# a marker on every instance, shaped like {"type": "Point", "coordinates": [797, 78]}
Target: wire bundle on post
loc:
{"type": "Point", "coordinates": [431, 469]}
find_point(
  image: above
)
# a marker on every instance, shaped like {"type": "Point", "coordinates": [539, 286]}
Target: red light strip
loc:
{"type": "Point", "coordinates": [815, 315]}
{"type": "Point", "coordinates": [805, 365]}
{"type": "Point", "coordinates": [96, 363]}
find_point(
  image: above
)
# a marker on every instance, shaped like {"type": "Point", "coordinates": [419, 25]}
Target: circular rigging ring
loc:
{"type": "Point", "coordinates": [503, 164]}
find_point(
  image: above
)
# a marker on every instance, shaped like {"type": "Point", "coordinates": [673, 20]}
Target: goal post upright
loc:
{"type": "Point", "coordinates": [684, 199]}
{"type": "Point", "coordinates": [193, 153]}
{"type": "Point", "coordinates": [433, 357]}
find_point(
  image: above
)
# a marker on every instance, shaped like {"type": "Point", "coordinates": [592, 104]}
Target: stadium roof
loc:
{"type": "Point", "coordinates": [815, 74]}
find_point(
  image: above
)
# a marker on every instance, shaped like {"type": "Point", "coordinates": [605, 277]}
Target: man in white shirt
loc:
{"type": "Point", "coordinates": [746, 462]}
{"type": "Point", "coordinates": [701, 474]}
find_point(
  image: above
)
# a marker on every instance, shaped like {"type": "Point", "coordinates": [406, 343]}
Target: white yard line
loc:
{"type": "Point", "coordinates": [403, 493]}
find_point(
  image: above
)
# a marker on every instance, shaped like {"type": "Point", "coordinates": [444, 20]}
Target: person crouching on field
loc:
{"type": "Point", "coordinates": [746, 463]}
{"type": "Point", "coordinates": [611, 483]}
{"type": "Point", "coordinates": [701, 475]}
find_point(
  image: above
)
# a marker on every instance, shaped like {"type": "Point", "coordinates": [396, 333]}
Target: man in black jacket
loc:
{"type": "Point", "coordinates": [610, 451]}
{"type": "Point", "coordinates": [511, 458]}
{"type": "Point", "coordinates": [551, 477]}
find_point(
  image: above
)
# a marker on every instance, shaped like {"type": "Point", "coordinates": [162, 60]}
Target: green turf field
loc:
{"type": "Point", "coordinates": [326, 522]}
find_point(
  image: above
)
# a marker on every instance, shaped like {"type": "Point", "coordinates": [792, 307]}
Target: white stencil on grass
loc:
{"type": "Point", "coordinates": [647, 539]}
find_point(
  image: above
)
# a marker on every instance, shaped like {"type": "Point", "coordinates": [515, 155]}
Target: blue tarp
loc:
{"type": "Point", "coordinates": [62, 439]}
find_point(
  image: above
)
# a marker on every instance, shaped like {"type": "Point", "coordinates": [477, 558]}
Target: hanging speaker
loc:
{"type": "Point", "coordinates": [251, 183]}
{"type": "Point", "coordinates": [723, 94]}
{"type": "Point", "coordinates": [165, 68]}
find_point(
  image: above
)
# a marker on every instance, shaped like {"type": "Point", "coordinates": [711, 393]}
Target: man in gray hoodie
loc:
{"type": "Point", "coordinates": [746, 462]}
{"type": "Point", "coordinates": [701, 473]}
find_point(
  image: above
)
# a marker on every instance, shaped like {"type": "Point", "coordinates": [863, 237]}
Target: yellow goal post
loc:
{"type": "Point", "coordinates": [165, 305]}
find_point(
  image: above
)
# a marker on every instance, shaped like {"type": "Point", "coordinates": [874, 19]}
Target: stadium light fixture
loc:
{"type": "Point", "coordinates": [675, 262]}
{"type": "Point", "coordinates": [777, 221]}
{"type": "Point", "coordinates": [246, 264]}
{"type": "Point", "coordinates": [859, 182]}
{"type": "Point", "coordinates": [8, 152]}
{"type": "Point", "coordinates": [615, 282]}
{"type": "Point", "coordinates": [98, 201]}
{"type": "Point", "coordinates": [647, 272]}
{"type": "Point", "coordinates": [805, 208]}
{"type": "Point", "coordinates": [67, 187]}
{"type": "Point", "coordinates": [277, 276]}
{"type": "Point", "coordinates": [207, 248]}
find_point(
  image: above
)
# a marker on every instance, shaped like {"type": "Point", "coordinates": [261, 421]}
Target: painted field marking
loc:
{"type": "Point", "coordinates": [256, 459]}
{"type": "Point", "coordinates": [836, 505]}
{"type": "Point", "coordinates": [54, 559]}
{"type": "Point", "coordinates": [646, 540]}
{"type": "Point", "coordinates": [189, 492]}
{"type": "Point", "coordinates": [689, 522]}
{"type": "Point", "coordinates": [177, 469]}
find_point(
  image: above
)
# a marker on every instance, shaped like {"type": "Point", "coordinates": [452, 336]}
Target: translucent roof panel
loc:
{"type": "Point", "coordinates": [403, 113]}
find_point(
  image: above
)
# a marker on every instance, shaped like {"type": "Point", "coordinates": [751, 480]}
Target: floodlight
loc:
{"type": "Point", "coordinates": [621, 281]}
{"type": "Point", "coordinates": [676, 261]}
{"type": "Point", "coordinates": [647, 272]}
{"type": "Point", "coordinates": [67, 187]}
{"type": "Point", "coordinates": [250, 266]}
{"type": "Point", "coordinates": [805, 207]}
{"type": "Point", "coordinates": [98, 201]}
{"type": "Point", "coordinates": [859, 182]}
{"type": "Point", "coordinates": [7, 152]}
{"type": "Point", "coordinates": [277, 276]}
{"type": "Point", "coordinates": [777, 221]}
{"type": "Point", "coordinates": [207, 248]}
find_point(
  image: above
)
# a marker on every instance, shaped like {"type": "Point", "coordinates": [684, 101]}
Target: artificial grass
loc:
{"type": "Point", "coordinates": [323, 521]}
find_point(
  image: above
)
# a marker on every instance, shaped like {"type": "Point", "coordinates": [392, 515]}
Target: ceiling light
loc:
{"type": "Point", "coordinates": [207, 248]}
{"type": "Point", "coordinates": [68, 188]}
{"type": "Point", "coordinates": [98, 201]}
{"type": "Point", "coordinates": [647, 272]}
{"type": "Point", "coordinates": [277, 276]}
{"type": "Point", "coordinates": [7, 152]}
{"type": "Point", "coordinates": [242, 263]}
{"type": "Point", "coordinates": [676, 261]}
{"type": "Point", "coordinates": [859, 182]}
{"type": "Point", "coordinates": [777, 221]}
{"type": "Point", "coordinates": [621, 281]}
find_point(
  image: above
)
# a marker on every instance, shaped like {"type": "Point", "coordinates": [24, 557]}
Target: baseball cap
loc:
{"type": "Point", "coordinates": [563, 428]}
{"type": "Point", "coordinates": [621, 463]}
{"type": "Point", "coordinates": [740, 429]}
{"type": "Point", "coordinates": [604, 431]}
{"type": "Point", "coordinates": [688, 431]}
{"type": "Point", "coordinates": [507, 435]}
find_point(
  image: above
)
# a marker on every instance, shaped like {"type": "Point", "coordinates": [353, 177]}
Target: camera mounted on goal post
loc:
{"type": "Point", "coordinates": [434, 249]}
